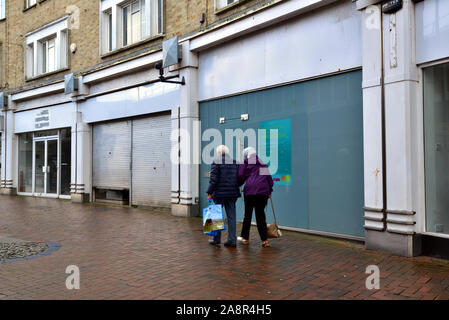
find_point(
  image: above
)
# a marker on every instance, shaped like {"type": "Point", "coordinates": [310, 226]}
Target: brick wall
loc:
{"type": "Point", "coordinates": [181, 17]}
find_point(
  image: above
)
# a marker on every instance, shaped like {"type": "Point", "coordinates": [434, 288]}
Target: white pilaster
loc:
{"type": "Point", "coordinates": [81, 157]}
{"type": "Point", "coordinates": [9, 146]}
{"type": "Point", "coordinates": [188, 184]}
{"type": "Point", "coordinates": [390, 226]}
{"type": "Point", "coordinates": [2, 152]}
{"type": "Point", "coordinates": [372, 117]}
{"type": "Point", "coordinates": [401, 88]}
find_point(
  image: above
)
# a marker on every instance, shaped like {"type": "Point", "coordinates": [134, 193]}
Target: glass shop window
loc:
{"type": "Point", "coordinates": [436, 134]}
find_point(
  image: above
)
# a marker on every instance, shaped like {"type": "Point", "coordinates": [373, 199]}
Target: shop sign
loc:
{"type": "Point", "coordinates": [42, 119]}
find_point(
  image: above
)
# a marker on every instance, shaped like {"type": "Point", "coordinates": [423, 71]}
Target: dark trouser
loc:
{"type": "Point", "coordinates": [229, 206]}
{"type": "Point", "coordinates": [258, 202]}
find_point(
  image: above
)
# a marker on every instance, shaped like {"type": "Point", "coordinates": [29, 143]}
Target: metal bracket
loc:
{"type": "Point", "coordinates": [167, 79]}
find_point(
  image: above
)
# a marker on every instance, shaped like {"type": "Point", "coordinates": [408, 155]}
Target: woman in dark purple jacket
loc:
{"type": "Point", "coordinates": [258, 188]}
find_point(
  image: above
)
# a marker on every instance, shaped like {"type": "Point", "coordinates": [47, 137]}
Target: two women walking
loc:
{"type": "Point", "coordinates": [226, 177]}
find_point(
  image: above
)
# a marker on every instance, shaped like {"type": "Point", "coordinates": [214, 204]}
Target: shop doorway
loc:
{"type": "Point", "coordinates": [46, 167]}
{"type": "Point", "coordinates": [45, 164]}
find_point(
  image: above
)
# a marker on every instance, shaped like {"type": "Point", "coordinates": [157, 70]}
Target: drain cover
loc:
{"type": "Point", "coordinates": [10, 251]}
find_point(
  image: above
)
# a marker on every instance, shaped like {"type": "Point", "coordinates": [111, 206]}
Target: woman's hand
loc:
{"type": "Point", "coordinates": [270, 196]}
{"type": "Point", "coordinates": [209, 196]}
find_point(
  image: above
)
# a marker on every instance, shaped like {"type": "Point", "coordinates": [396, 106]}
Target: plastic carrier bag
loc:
{"type": "Point", "coordinates": [213, 219]}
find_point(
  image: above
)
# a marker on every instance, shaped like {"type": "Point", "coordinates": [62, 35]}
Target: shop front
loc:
{"type": "Point", "coordinates": [131, 145]}
{"type": "Point", "coordinates": [44, 151]}
{"type": "Point", "coordinates": [432, 32]}
{"type": "Point", "coordinates": [312, 97]}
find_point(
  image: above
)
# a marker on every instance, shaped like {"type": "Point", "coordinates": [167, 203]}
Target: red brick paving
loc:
{"type": "Point", "coordinates": [126, 253]}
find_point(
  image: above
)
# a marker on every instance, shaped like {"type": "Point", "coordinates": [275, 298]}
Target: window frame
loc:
{"type": "Point", "coordinates": [46, 56]}
{"type": "Point", "coordinates": [37, 59]}
{"type": "Point", "coordinates": [218, 6]}
{"type": "Point", "coordinates": [233, 4]}
{"type": "Point", "coordinates": [30, 3]}
{"type": "Point", "coordinates": [2, 10]}
{"type": "Point", "coordinates": [151, 25]}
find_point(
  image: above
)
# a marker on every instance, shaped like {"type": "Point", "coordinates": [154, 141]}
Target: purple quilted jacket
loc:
{"type": "Point", "coordinates": [256, 177]}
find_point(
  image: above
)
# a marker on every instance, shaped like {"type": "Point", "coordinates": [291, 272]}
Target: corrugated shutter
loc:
{"type": "Point", "coordinates": [151, 177]}
{"type": "Point", "coordinates": [112, 155]}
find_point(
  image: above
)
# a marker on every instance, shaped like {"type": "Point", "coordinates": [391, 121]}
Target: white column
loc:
{"type": "Point", "coordinates": [58, 50]}
{"type": "Point", "coordinates": [9, 146]}
{"type": "Point", "coordinates": [81, 157]}
{"type": "Point", "coordinates": [391, 227]}
{"type": "Point", "coordinates": [188, 185]}
{"type": "Point", "coordinates": [115, 27]}
{"type": "Point", "coordinates": [2, 152]}
{"type": "Point", "coordinates": [73, 154]}
{"type": "Point", "coordinates": [394, 90]}
{"type": "Point", "coordinates": [401, 88]}
{"type": "Point", "coordinates": [36, 59]}
{"type": "Point", "coordinates": [372, 117]}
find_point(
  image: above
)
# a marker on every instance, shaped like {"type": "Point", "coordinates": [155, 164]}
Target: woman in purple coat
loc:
{"type": "Point", "coordinates": [258, 188]}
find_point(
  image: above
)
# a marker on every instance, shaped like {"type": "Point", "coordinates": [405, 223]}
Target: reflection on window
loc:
{"type": "Point", "coordinates": [48, 56]}
{"type": "Point", "coordinates": [129, 23]}
{"type": "Point", "coordinates": [436, 130]}
{"type": "Point", "coordinates": [25, 163]}
{"type": "Point", "coordinates": [220, 4]}
{"type": "Point", "coordinates": [29, 3]}
{"type": "Point", "coordinates": [2, 9]}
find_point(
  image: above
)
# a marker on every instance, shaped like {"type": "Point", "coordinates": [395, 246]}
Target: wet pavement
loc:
{"type": "Point", "coordinates": [128, 253]}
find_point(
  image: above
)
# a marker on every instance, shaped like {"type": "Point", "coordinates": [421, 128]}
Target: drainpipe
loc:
{"type": "Point", "coordinates": [6, 144]}
{"type": "Point", "coordinates": [384, 149]}
{"type": "Point", "coordinates": [179, 155]}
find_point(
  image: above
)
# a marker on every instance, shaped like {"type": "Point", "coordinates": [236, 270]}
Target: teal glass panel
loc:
{"type": "Point", "coordinates": [325, 192]}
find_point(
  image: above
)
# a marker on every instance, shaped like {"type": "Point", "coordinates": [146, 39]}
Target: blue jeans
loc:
{"type": "Point", "coordinates": [229, 206]}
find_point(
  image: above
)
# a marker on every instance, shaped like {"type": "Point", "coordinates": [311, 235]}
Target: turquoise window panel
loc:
{"type": "Point", "coordinates": [326, 189]}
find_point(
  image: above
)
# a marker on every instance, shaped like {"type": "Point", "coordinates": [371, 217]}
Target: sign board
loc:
{"type": "Point", "coordinates": [70, 83]}
{"type": "Point", "coordinates": [55, 117]}
{"type": "Point", "coordinates": [283, 176]}
{"type": "Point", "coordinates": [171, 52]}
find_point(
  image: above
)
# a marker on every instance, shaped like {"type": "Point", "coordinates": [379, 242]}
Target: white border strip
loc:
{"type": "Point", "coordinates": [273, 15]}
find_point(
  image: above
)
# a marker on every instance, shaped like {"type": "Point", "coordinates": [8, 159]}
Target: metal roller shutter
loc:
{"type": "Point", "coordinates": [151, 166]}
{"type": "Point", "coordinates": [112, 155]}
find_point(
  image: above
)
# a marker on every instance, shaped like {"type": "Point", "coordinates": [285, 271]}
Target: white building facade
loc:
{"type": "Point", "coordinates": [359, 96]}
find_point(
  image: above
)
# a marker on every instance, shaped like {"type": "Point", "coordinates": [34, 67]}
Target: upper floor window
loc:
{"type": "Point", "coordinates": [47, 49]}
{"type": "Point", "coordinates": [49, 55]}
{"type": "Point", "coordinates": [2, 9]}
{"type": "Point", "coordinates": [126, 22]}
{"type": "Point", "coordinates": [220, 4]}
{"type": "Point", "coordinates": [29, 3]}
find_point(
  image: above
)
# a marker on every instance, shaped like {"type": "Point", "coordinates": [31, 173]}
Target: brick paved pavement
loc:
{"type": "Point", "coordinates": [126, 253]}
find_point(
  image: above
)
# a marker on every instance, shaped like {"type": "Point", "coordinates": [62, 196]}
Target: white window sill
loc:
{"type": "Point", "coordinates": [43, 75]}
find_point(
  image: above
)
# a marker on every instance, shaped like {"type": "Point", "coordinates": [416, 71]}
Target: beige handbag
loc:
{"type": "Point", "coordinates": [273, 230]}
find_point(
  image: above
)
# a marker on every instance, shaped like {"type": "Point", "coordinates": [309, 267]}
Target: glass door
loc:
{"type": "Point", "coordinates": [39, 167]}
{"type": "Point", "coordinates": [46, 167]}
{"type": "Point", "coordinates": [52, 167]}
